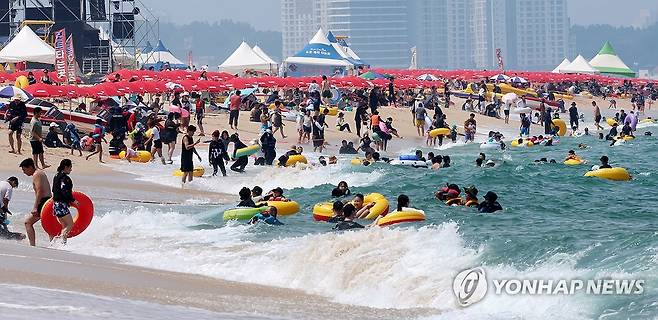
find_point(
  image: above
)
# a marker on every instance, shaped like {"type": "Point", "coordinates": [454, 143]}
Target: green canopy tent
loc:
{"type": "Point", "coordinates": [607, 62]}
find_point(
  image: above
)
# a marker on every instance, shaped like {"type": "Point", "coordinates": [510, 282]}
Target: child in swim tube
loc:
{"type": "Point", "coordinates": [268, 216]}
{"type": "Point", "coordinates": [362, 210]}
{"type": "Point", "coordinates": [246, 200]}
{"type": "Point", "coordinates": [572, 156]}
{"type": "Point", "coordinates": [337, 210]}
{"type": "Point", "coordinates": [275, 194]}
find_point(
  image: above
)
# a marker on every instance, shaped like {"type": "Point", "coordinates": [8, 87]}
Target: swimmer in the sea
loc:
{"type": "Point", "coordinates": [348, 222]}
{"type": "Point", "coordinates": [268, 216]}
{"type": "Point", "coordinates": [341, 190]}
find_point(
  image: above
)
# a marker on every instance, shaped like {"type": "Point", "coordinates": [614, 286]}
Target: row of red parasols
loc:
{"type": "Point", "coordinates": [144, 86]}
{"type": "Point", "coordinates": [152, 82]}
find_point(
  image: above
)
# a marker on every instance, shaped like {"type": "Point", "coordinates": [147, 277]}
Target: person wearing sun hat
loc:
{"type": "Point", "coordinates": [16, 115]}
{"type": "Point", "coordinates": [490, 203]}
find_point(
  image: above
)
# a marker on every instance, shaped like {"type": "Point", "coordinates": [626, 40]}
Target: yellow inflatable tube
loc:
{"type": "Point", "coordinates": [295, 159]}
{"type": "Point", "coordinates": [506, 88]}
{"type": "Point", "coordinates": [611, 121]}
{"type": "Point", "coordinates": [406, 215]}
{"type": "Point", "coordinates": [333, 111]}
{"type": "Point", "coordinates": [380, 207]}
{"type": "Point", "coordinates": [439, 132]}
{"type": "Point", "coordinates": [625, 138]}
{"type": "Point", "coordinates": [615, 174]}
{"type": "Point", "coordinates": [323, 211]}
{"type": "Point", "coordinates": [525, 143]}
{"type": "Point", "coordinates": [198, 172]}
{"type": "Point", "coordinates": [562, 127]}
{"type": "Point", "coordinates": [574, 162]}
{"type": "Point", "coordinates": [142, 156]}
{"type": "Point", "coordinates": [284, 208]}
{"type": "Point", "coordinates": [356, 162]}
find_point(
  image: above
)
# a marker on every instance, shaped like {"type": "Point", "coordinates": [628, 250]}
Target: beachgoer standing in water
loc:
{"type": "Point", "coordinates": [42, 193]}
{"type": "Point", "coordinates": [597, 116]}
{"type": "Point", "coordinates": [63, 198]}
{"type": "Point", "coordinates": [186, 156]}
{"type": "Point", "coordinates": [217, 154]}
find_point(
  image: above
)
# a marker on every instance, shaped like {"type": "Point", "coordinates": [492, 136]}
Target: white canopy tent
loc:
{"type": "Point", "coordinates": [264, 55]}
{"type": "Point", "coordinates": [245, 58]}
{"type": "Point", "coordinates": [579, 65]}
{"type": "Point", "coordinates": [27, 46]}
{"type": "Point", "coordinates": [562, 65]}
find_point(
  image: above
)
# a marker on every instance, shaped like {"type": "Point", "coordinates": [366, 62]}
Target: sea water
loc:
{"type": "Point", "coordinates": [556, 224]}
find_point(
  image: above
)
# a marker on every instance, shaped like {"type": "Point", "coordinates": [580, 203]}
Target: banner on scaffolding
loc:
{"type": "Point", "coordinates": [61, 65]}
{"type": "Point", "coordinates": [499, 57]}
{"type": "Point", "coordinates": [70, 61]}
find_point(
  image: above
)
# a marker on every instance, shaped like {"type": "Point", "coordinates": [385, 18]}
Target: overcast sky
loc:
{"type": "Point", "coordinates": [264, 14]}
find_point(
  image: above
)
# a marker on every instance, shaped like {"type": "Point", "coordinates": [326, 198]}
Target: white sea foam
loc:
{"type": "Point", "coordinates": [377, 267]}
{"type": "Point", "coordinates": [267, 177]}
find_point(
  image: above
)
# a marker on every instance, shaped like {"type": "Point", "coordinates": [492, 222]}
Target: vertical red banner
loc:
{"type": "Point", "coordinates": [61, 65]}
{"type": "Point", "coordinates": [70, 60]}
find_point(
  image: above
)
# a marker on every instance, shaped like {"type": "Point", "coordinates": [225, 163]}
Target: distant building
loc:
{"type": "Point", "coordinates": [448, 34]}
{"type": "Point", "coordinates": [541, 29]}
{"type": "Point", "coordinates": [491, 31]}
{"type": "Point", "coordinates": [430, 33]}
{"type": "Point", "coordinates": [377, 30]}
{"type": "Point", "coordinates": [300, 20]}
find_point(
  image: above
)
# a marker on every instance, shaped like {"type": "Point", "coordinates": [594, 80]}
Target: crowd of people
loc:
{"type": "Point", "coordinates": [145, 126]}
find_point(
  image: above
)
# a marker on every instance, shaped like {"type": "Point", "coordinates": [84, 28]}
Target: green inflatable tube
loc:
{"type": "Point", "coordinates": [242, 213]}
{"type": "Point", "coordinates": [247, 151]}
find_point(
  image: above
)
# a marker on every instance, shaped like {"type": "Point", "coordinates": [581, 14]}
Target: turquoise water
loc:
{"type": "Point", "coordinates": [556, 224]}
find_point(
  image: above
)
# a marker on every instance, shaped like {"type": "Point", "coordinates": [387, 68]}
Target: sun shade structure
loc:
{"type": "Point", "coordinates": [344, 50]}
{"type": "Point", "coordinates": [579, 65]}
{"type": "Point", "coordinates": [608, 62]}
{"type": "Point", "coordinates": [159, 56]}
{"type": "Point", "coordinates": [27, 46]}
{"type": "Point", "coordinates": [244, 58]}
{"type": "Point", "coordinates": [264, 55]}
{"type": "Point", "coordinates": [318, 57]}
{"type": "Point", "coordinates": [562, 65]}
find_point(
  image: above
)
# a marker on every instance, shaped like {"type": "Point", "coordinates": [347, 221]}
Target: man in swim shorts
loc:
{"type": "Point", "coordinates": [42, 193]}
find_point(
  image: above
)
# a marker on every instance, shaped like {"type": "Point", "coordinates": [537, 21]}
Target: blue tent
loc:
{"type": "Point", "coordinates": [318, 57]}
{"type": "Point", "coordinates": [160, 56]}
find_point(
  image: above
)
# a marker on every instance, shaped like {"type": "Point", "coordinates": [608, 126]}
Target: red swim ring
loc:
{"type": "Point", "coordinates": [81, 221]}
